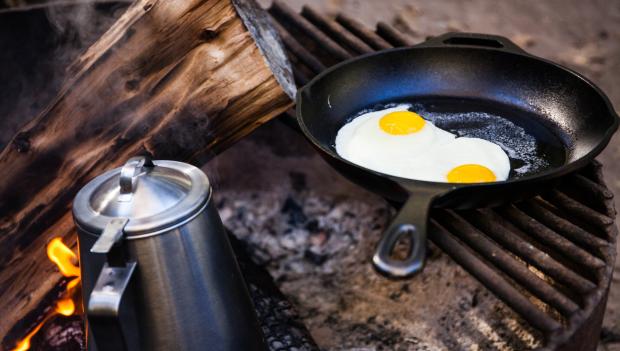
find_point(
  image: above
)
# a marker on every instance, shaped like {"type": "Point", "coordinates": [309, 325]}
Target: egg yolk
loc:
{"type": "Point", "coordinates": [401, 123]}
{"type": "Point", "coordinates": [471, 174]}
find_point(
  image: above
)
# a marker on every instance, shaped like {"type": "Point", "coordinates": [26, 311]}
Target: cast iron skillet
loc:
{"type": "Point", "coordinates": [457, 72]}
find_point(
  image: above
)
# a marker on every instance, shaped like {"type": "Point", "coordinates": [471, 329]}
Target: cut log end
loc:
{"type": "Point", "coordinates": [264, 33]}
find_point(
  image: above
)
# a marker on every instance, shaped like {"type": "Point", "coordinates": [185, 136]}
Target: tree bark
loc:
{"type": "Point", "coordinates": [178, 79]}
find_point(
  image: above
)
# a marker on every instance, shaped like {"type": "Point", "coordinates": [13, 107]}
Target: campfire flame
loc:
{"type": "Point", "coordinates": [24, 344]}
{"type": "Point", "coordinates": [63, 257]}
{"type": "Point", "coordinates": [66, 307]}
{"type": "Point", "coordinates": [67, 262]}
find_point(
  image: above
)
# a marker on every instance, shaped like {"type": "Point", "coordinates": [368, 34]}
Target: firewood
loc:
{"type": "Point", "coordinates": [178, 79]}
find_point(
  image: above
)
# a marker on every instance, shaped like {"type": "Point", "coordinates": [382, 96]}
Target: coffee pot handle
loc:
{"type": "Point", "coordinates": [110, 290]}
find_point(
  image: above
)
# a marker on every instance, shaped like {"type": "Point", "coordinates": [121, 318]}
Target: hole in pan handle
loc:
{"type": "Point", "coordinates": [487, 41]}
{"type": "Point", "coordinates": [411, 222]}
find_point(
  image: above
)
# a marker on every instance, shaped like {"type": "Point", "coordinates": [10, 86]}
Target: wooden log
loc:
{"type": "Point", "coordinates": [178, 79]}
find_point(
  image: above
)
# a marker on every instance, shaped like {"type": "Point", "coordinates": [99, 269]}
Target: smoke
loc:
{"type": "Point", "coordinates": [38, 44]}
{"type": "Point", "coordinates": [83, 23]}
{"type": "Point", "coordinates": [81, 26]}
{"type": "Point", "coordinates": [61, 31]}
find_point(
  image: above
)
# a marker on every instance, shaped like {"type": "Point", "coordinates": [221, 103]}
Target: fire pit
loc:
{"type": "Point", "coordinates": [542, 267]}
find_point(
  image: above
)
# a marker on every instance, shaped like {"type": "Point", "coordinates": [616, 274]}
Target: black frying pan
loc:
{"type": "Point", "coordinates": [570, 118]}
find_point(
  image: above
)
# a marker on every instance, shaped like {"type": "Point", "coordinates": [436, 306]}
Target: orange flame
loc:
{"type": "Point", "coordinates": [24, 344]}
{"type": "Point", "coordinates": [66, 261]}
{"type": "Point", "coordinates": [63, 257]}
{"type": "Point", "coordinates": [66, 307]}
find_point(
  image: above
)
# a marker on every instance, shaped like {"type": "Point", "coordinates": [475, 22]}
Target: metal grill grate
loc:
{"type": "Point", "coordinates": [550, 258]}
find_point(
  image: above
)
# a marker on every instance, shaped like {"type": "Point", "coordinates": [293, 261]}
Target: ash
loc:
{"type": "Point", "coordinates": [315, 232]}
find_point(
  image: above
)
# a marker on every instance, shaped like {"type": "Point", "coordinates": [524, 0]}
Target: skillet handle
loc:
{"type": "Point", "coordinates": [487, 41]}
{"type": "Point", "coordinates": [411, 221]}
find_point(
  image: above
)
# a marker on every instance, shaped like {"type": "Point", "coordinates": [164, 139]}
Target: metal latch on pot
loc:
{"type": "Point", "coordinates": [112, 234]}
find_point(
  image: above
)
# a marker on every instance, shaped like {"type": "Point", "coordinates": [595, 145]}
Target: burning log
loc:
{"type": "Point", "coordinates": [176, 79]}
{"type": "Point", "coordinates": [66, 261]}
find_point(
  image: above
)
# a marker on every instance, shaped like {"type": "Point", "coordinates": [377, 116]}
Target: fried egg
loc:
{"type": "Point", "coordinates": [402, 143]}
{"type": "Point", "coordinates": [380, 140]}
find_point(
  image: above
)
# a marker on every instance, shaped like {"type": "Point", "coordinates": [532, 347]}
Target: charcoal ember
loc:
{"type": "Point", "coordinates": [60, 333]}
{"type": "Point", "coordinates": [296, 216]}
{"type": "Point", "coordinates": [316, 258]}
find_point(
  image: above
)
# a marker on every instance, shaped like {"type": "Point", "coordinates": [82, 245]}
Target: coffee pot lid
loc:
{"type": "Point", "coordinates": [153, 196]}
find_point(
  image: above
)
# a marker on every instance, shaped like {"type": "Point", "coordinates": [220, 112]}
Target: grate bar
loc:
{"type": "Point", "coordinates": [492, 280]}
{"type": "Point", "coordinates": [507, 263]}
{"type": "Point", "coordinates": [549, 237]}
{"type": "Point", "coordinates": [503, 232]}
{"type": "Point", "coordinates": [561, 225]}
{"type": "Point", "coordinates": [392, 36]}
{"type": "Point", "coordinates": [279, 8]}
{"type": "Point", "coordinates": [360, 30]}
{"type": "Point", "coordinates": [579, 210]}
{"type": "Point", "coordinates": [336, 30]}
{"type": "Point", "coordinates": [609, 204]}
{"type": "Point", "coordinates": [301, 53]}
{"type": "Point", "coordinates": [591, 187]}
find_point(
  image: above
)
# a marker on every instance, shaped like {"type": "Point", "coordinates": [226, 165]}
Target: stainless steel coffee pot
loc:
{"type": "Point", "coordinates": [158, 272]}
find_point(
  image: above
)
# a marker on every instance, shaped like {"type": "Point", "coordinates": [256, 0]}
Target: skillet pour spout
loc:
{"type": "Point", "coordinates": [570, 118]}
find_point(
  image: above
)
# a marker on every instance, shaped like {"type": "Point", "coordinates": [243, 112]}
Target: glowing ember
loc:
{"type": "Point", "coordinates": [66, 261]}
{"type": "Point", "coordinates": [66, 307]}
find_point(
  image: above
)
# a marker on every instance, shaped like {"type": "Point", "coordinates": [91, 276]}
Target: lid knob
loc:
{"type": "Point", "coordinates": [130, 170]}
